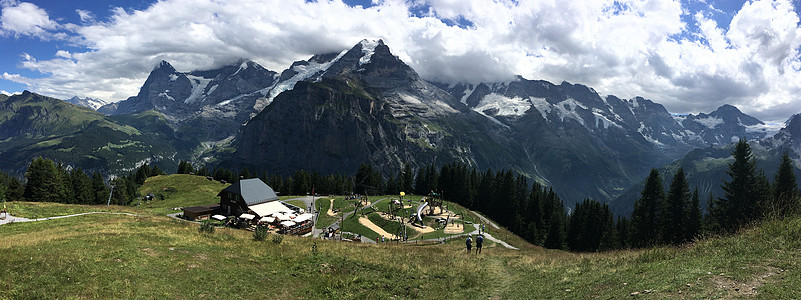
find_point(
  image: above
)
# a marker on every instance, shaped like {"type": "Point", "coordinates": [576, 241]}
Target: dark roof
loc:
{"type": "Point", "coordinates": [202, 208]}
{"type": "Point", "coordinates": [254, 191]}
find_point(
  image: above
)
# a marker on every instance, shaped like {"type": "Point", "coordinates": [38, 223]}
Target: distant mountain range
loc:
{"type": "Point", "coordinates": [87, 102]}
{"type": "Point", "coordinates": [364, 105]}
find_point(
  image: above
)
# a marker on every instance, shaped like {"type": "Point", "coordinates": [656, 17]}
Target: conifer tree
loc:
{"type": "Point", "coordinates": [407, 179]}
{"type": "Point", "coordinates": [82, 186]}
{"type": "Point", "coordinates": [555, 221]}
{"type": "Point", "coordinates": [44, 182]}
{"type": "Point", "coordinates": [740, 200]}
{"type": "Point", "coordinates": [623, 232]}
{"type": "Point", "coordinates": [15, 190]}
{"type": "Point", "coordinates": [694, 218]}
{"type": "Point", "coordinates": [674, 226]}
{"type": "Point", "coordinates": [785, 189]}
{"type": "Point", "coordinates": [99, 188]}
{"type": "Point", "coordinates": [156, 171]}
{"type": "Point", "coordinates": [645, 218]}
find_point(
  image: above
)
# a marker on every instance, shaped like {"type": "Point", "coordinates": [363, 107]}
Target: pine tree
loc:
{"type": "Point", "coordinates": [82, 187]}
{"type": "Point", "coordinates": [623, 232]}
{"type": "Point", "coordinates": [645, 218]}
{"type": "Point", "coordinates": [739, 203]}
{"type": "Point", "coordinates": [185, 167]}
{"type": "Point", "coordinates": [156, 171]}
{"type": "Point", "coordinates": [674, 222]}
{"type": "Point", "coordinates": [785, 189]}
{"type": "Point", "coordinates": [694, 218]}
{"type": "Point", "coordinates": [555, 219]}
{"type": "Point", "coordinates": [44, 182]}
{"type": "Point", "coordinates": [99, 188]}
{"type": "Point", "coordinates": [407, 179]}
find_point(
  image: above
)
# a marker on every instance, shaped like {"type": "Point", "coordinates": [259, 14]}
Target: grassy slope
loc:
{"type": "Point", "coordinates": [112, 256]}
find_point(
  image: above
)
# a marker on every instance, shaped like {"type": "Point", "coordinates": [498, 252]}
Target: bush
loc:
{"type": "Point", "coordinates": [278, 238]}
{"type": "Point", "coordinates": [207, 227]}
{"type": "Point", "coordinates": [261, 233]}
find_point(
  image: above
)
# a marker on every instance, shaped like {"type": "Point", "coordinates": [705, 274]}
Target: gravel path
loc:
{"type": "Point", "coordinates": [11, 219]}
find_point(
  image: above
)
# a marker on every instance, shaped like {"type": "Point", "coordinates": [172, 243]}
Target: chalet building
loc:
{"type": "Point", "coordinates": [241, 196]}
{"type": "Point", "coordinates": [199, 213]}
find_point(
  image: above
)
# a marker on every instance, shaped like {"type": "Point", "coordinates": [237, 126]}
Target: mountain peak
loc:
{"type": "Point", "coordinates": [793, 125]}
{"type": "Point", "coordinates": [368, 49]}
{"type": "Point", "coordinates": [92, 103]}
{"type": "Point", "coordinates": [165, 67]}
{"type": "Point", "coordinates": [730, 113]}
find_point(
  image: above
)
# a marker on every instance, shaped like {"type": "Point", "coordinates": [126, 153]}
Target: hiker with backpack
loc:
{"type": "Point", "coordinates": [479, 241]}
{"type": "Point", "coordinates": [469, 244]}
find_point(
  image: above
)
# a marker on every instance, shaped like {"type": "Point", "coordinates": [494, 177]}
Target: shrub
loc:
{"type": "Point", "coordinates": [207, 227]}
{"type": "Point", "coordinates": [261, 233]}
{"type": "Point", "coordinates": [278, 238]}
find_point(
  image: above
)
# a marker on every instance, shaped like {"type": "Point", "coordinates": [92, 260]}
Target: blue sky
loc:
{"type": "Point", "coordinates": [690, 55]}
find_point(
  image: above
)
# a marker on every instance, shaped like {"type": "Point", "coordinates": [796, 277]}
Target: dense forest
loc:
{"type": "Point", "coordinates": [530, 210]}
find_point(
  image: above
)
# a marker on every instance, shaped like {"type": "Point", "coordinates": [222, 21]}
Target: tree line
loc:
{"type": "Point", "coordinates": [531, 210]}
{"type": "Point", "coordinates": [47, 181]}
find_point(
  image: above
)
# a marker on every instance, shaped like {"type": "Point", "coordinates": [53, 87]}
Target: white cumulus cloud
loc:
{"type": "Point", "coordinates": [624, 47]}
{"type": "Point", "coordinates": [25, 19]}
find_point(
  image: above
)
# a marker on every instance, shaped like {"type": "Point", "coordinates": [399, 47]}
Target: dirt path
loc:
{"type": "Point", "coordinates": [369, 224]}
{"type": "Point", "coordinates": [19, 219]}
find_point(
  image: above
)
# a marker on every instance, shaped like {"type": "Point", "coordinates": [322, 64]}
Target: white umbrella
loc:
{"type": "Point", "coordinates": [288, 223]}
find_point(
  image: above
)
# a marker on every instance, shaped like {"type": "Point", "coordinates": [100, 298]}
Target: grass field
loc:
{"type": "Point", "coordinates": [152, 256]}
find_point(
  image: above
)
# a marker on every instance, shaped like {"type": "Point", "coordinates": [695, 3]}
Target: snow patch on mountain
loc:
{"type": "Point", "coordinates": [211, 89]}
{"type": "Point", "coordinates": [410, 99]}
{"type": "Point", "coordinates": [768, 129]}
{"type": "Point", "coordinates": [173, 77]}
{"type": "Point", "coordinates": [165, 95]}
{"type": "Point", "coordinates": [242, 66]}
{"type": "Point", "coordinates": [467, 92]}
{"type": "Point", "coordinates": [505, 106]}
{"type": "Point", "coordinates": [643, 130]}
{"type": "Point", "coordinates": [86, 102]}
{"type": "Point", "coordinates": [368, 48]}
{"type": "Point", "coordinates": [709, 122]}
{"type": "Point", "coordinates": [304, 72]}
{"type": "Point", "coordinates": [198, 88]}
{"type": "Point", "coordinates": [567, 108]}
{"type": "Point", "coordinates": [541, 105]}
{"type": "Point", "coordinates": [605, 122]}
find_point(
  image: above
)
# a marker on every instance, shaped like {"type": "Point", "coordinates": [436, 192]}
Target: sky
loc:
{"type": "Point", "coordinates": [689, 55]}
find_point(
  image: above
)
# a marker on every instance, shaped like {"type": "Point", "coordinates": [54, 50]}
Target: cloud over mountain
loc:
{"type": "Point", "coordinates": [676, 52]}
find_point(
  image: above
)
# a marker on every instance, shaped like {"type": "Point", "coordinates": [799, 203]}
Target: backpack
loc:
{"type": "Point", "coordinates": [479, 239]}
{"type": "Point", "coordinates": [468, 242]}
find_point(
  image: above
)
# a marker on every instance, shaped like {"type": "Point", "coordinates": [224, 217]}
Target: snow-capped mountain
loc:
{"type": "Point", "coordinates": [578, 103]}
{"type": "Point", "coordinates": [334, 111]}
{"type": "Point", "coordinates": [365, 105]}
{"type": "Point", "coordinates": [87, 102]}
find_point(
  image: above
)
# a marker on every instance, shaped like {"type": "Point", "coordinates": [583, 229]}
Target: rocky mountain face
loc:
{"type": "Point", "coordinates": [367, 106]}
{"type": "Point", "coordinates": [87, 102]}
{"type": "Point", "coordinates": [589, 145]}
{"type": "Point", "coordinates": [202, 105]}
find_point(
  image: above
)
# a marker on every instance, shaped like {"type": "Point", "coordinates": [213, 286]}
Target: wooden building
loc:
{"type": "Point", "coordinates": [203, 212]}
{"type": "Point", "coordinates": [238, 197]}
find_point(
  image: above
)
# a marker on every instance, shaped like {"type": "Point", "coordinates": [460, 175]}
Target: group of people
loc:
{"type": "Point", "coordinates": [479, 242]}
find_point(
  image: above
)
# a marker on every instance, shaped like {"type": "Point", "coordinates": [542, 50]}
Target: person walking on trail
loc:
{"type": "Point", "coordinates": [469, 244]}
{"type": "Point", "coordinates": [479, 241]}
